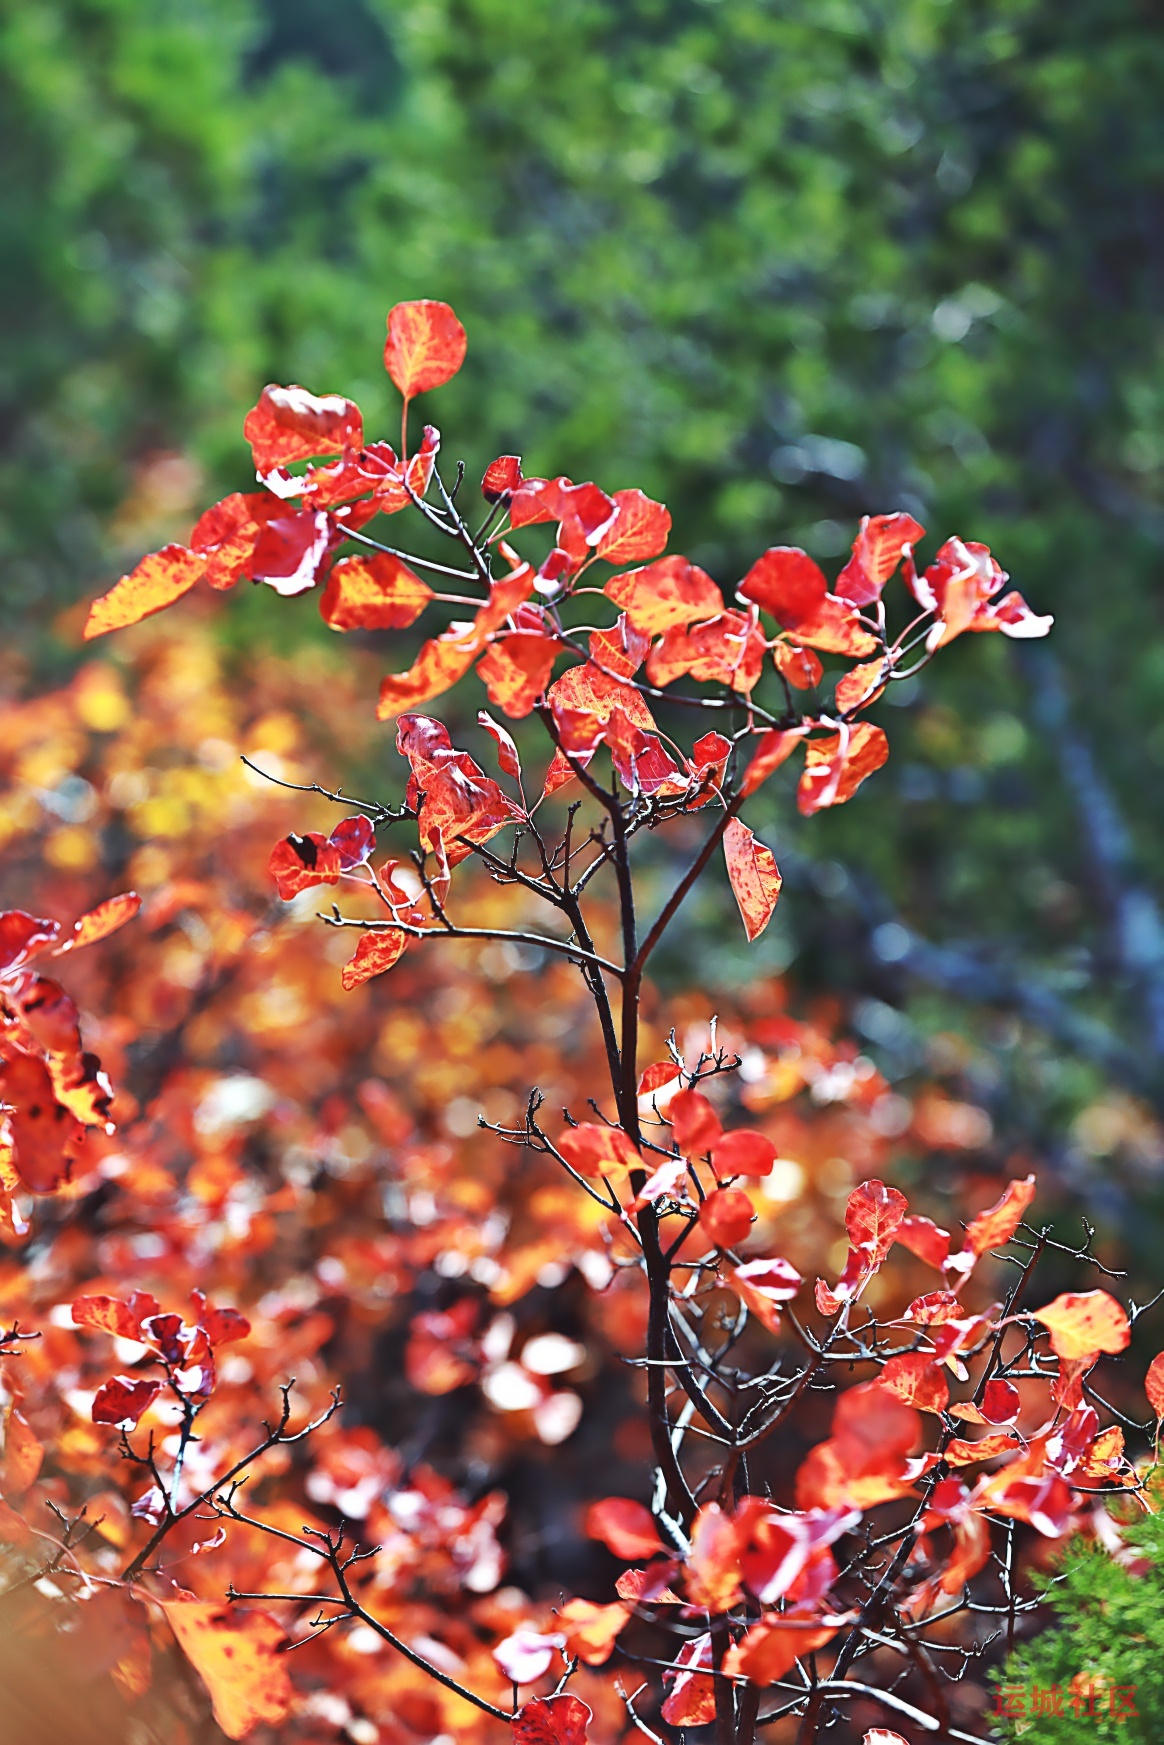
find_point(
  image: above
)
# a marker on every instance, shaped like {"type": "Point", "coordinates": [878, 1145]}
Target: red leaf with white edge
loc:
{"type": "Point", "coordinates": [882, 1736]}
{"type": "Point", "coordinates": [665, 595]}
{"type": "Point", "coordinates": [775, 747]}
{"type": "Point", "coordinates": [787, 583]}
{"type": "Point", "coordinates": [744, 1152]}
{"type": "Point", "coordinates": [925, 1239]}
{"type": "Point", "coordinates": [877, 550]}
{"type": "Point", "coordinates": [425, 346]}
{"type": "Point", "coordinates": [860, 686]}
{"type": "Point", "coordinates": [695, 1126]}
{"type": "Point", "coordinates": [291, 551]}
{"type": "Point", "coordinates": [507, 757]}
{"type": "Point", "coordinates": [227, 533]}
{"type": "Point", "coordinates": [726, 1216]}
{"type": "Point", "coordinates": [238, 1656]}
{"type": "Point", "coordinates": [289, 424]}
{"type": "Point", "coordinates": [100, 922]}
{"type": "Point", "coordinates": [933, 1308]}
{"type": "Point", "coordinates": [560, 1720]}
{"type": "Point", "coordinates": [873, 1215]}
{"type": "Point", "coordinates": [22, 935]}
{"type": "Point", "coordinates": [378, 592]}
{"type": "Point", "coordinates": [639, 531]}
{"type": "Point", "coordinates": [663, 1072]}
{"type": "Point", "coordinates": [692, 1699]}
{"type": "Point", "coordinates": [1154, 1386]}
{"type": "Point", "coordinates": [836, 629]}
{"type": "Point", "coordinates": [376, 953]}
{"type": "Point", "coordinates": [597, 1151]}
{"type": "Point", "coordinates": [300, 862]}
{"type": "Point", "coordinates": [762, 1285]}
{"type": "Point", "coordinates": [621, 650]}
{"type": "Point", "coordinates": [155, 583]}
{"type": "Point", "coordinates": [122, 1400]}
{"type": "Point", "coordinates": [583, 512]}
{"type": "Point", "coordinates": [754, 875]}
{"type": "Point", "coordinates": [995, 1227]}
{"type": "Point", "coordinates": [1084, 1323]}
{"type": "Point", "coordinates": [836, 766]}
{"type": "Point", "coordinates": [624, 1527]}
{"type": "Point", "coordinates": [588, 690]}
{"type": "Point", "coordinates": [502, 478]}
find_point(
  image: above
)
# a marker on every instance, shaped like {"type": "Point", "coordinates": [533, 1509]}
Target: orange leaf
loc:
{"type": "Point", "coordinates": [713, 1564]}
{"type": "Point", "coordinates": [727, 650]}
{"type": "Point", "coordinates": [665, 595]}
{"type": "Point", "coordinates": [440, 662]}
{"type": "Point", "coordinates": [1084, 1323]}
{"type": "Point", "coordinates": [624, 1527]}
{"type": "Point", "coordinates": [591, 1630]}
{"type": "Point", "coordinates": [516, 670]}
{"type": "Point", "coordinates": [236, 1655]}
{"type": "Point", "coordinates": [640, 530]}
{"type": "Point", "coordinates": [962, 1452]}
{"type": "Point", "coordinates": [425, 346]}
{"type": "Point", "coordinates": [595, 1151]}
{"type": "Point", "coordinates": [559, 1720]}
{"type": "Point", "coordinates": [800, 666]}
{"type": "Point", "coordinates": [995, 1227]}
{"type": "Point", "coordinates": [23, 1454]}
{"type": "Point", "coordinates": [860, 686]}
{"type": "Point", "coordinates": [100, 922]}
{"type": "Point", "coordinates": [157, 581]}
{"type": "Point", "coordinates": [915, 1378]}
{"type": "Point", "coordinates": [836, 766]}
{"type": "Point", "coordinates": [726, 1216]}
{"type": "Point", "coordinates": [375, 953]}
{"type": "Point", "coordinates": [378, 592]}
{"type": "Point", "coordinates": [755, 877]}
{"type": "Point", "coordinates": [1154, 1386]}
{"type": "Point", "coordinates": [768, 1651]}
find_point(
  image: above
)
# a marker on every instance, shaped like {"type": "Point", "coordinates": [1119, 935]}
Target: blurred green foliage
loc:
{"type": "Point", "coordinates": [779, 264]}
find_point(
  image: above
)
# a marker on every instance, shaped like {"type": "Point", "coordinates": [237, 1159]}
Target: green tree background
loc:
{"type": "Point", "coordinates": [778, 263]}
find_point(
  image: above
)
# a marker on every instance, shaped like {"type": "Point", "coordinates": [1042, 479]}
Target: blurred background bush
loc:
{"type": "Point", "coordinates": [778, 264]}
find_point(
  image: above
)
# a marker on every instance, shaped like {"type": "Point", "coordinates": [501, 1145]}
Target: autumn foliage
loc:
{"type": "Point", "coordinates": [836, 1441]}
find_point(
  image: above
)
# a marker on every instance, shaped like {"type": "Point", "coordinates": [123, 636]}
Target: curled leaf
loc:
{"type": "Point", "coordinates": [754, 875]}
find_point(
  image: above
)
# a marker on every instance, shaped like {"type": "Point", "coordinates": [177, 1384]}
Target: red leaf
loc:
{"type": "Point", "coordinates": [292, 549]}
{"type": "Point", "coordinates": [445, 659]}
{"type": "Point", "coordinates": [100, 922]}
{"type": "Point", "coordinates": [787, 583]}
{"type": "Point", "coordinates": [836, 766]}
{"type": "Point", "coordinates": [621, 650]}
{"type": "Point", "coordinates": [502, 478]}
{"type": "Point", "coordinates": [425, 346]}
{"type": "Point", "coordinates": [1084, 1323]}
{"type": "Point", "coordinates": [45, 1132]}
{"type": "Point", "coordinates": [768, 1651]}
{"type": "Point", "coordinates": [863, 1462]}
{"type": "Point", "coordinates": [227, 533]}
{"type": "Point", "coordinates": [222, 1326]}
{"type": "Point", "coordinates": [237, 1656]}
{"type": "Point", "coordinates": [507, 757]}
{"type": "Point", "coordinates": [516, 670]}
{"type": "Point", "coordinates": [560, 1720]}
{"type": "Point", "coordinates": [583, 512]}
{"type": "Point", "coordinates": [289, 424]}
{"type": "Point", "coordinates": [375, 953]}
{"type": "Point", "coordinates": [754, 875]}
{"type": "Point", "coordinates": [695, 1126]}
{"type": "Point", "coordinates": [728, 650]}
{"type": "Point", "coordinates": [373, 593]}
{"type": "Point", "coordinates": [639, 531]}
{"type": "Point", "coordinates": [744, 1152]}
{"type": "Point", "coordinates": [591, 1630]}
{"type": "Point", "coordinates": [1000, 1401]}
{"type": "Point", "coordinates": [692, 1699]}
{"type": "Point", "coordinates": [713, 1564]}
{"type": "Point", "coordinates": [1154, 1386]}
{"type": "Point", "coordinates": [860, 686]}
{"type": "Point", "coordinates": [122, 1400]}
{"type": "Point", "coordinates": [353, 840]}
{"type": "Point", "coordinates": [299, 862]}
{"type": "Point", "coordinates": [663, 1072]}
{"type": "Point", "coordinates": [665, 595]}
{"type": "Point", "coordinates": [21, 935]}
{"type": "Point", "coordinates": [624, 1527]}
{"type": "Point", "coordinates": [995, 1227]}
{"type": "Point", "coordinates": [726, 1216]}
{"type": "Point", "coordinates": [877, 550]}
{"type": "Point", "coordinates": [925, 1239]}
{"type": "Point", "coordinates": [157, 581]}
{"type": "Point", "coordinates": [762, 1285]}
{"type": "Point", "coordinates": [774, 748]}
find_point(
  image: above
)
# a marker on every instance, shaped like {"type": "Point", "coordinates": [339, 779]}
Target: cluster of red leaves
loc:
{"type": "Point", "coordinates": [308, 1160]}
